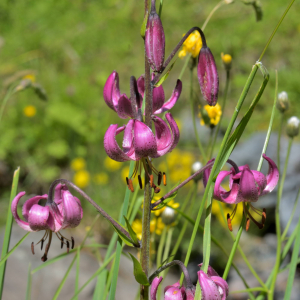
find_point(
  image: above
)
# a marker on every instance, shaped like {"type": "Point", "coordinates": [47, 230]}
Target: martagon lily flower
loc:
{"type": "Point", "coordinates": [122, 105]}
{"type": "Point", "coordinates": [63, 212]}
{"type": "Point", "coordinates": [246, 186]}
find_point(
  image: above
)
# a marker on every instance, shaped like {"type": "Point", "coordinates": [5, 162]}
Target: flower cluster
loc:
{"type": "Point", "coordinates": [210, 115]}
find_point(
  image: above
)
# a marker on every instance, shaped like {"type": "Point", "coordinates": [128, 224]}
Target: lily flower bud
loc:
{"type": "Point", "coordinates": [208, 76]}
{"type": "Point", "coordinates": [282, 103]}
{"type": "Point", "coordinates": [292, 128]}
{"type": "Point", "coordinates": [155, 40]}
{"type": "Point", "coordinates": [196, 167]}
{"type": "Point", "coordinates": [168, 216]}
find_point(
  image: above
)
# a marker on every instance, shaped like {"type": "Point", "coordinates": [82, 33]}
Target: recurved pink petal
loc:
{"type": "Point", "coordinates": [154, 286]}
{"type": "Point", "coordinates": [29, 203]}
{"type": "Point", "coordinates": [206, 173]}
{"type": "Point", "coordinates": [124, 109]}
{"type": "Point", "coordinates": [248, 190]}
{"type": "Point", "coordinates": [174, 293]}
{"type": "Point", "coordinates": [272, 176]}
{"type": "Point", "coordinates": [210, 271]}
{"type": "Point", "coordinates": [209, 289]}
{"type": "Point", "coordinates": [141, 85]}
{"type": "Point", "coordinates": [222, 286]}
{"type": "Point", "coordinates": [144, 140]}
{"type": "Point", "coordinates": [72, 210]}
{"type": "Point", "coordinates": [163, 136]}
{"type": "Point", "coordinates": [175, 131]}
{"type": "Point", "coordinates": [158, 98]}
{"type": "Point", "coordinates": [218, 190]}
{"type": "Point", "coordinates": [111, 91]}
{"type": "Point", "coordinates": [260, 180]}
{"type": "Point", "coordinates": [190, 293]}
{"type": "Point", "coordinates": [14, 210]}
{"type": "Point", "coordinates": [128, 144]}
{"type": "Point", "coordinates": [208, 76]}
{"type": "Point", "coordinates": [111, 146]}
{"type": "Point", "coordinates": [38, 218]}
{"type": "Point", "coordinates": [172, 101]}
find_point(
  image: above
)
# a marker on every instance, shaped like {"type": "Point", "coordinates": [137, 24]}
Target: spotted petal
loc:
{"type": "Point", "coordinates": [154, 286]}
{"type": "Point", "coordinates": [72, 210]}
{"type": "Point", "coordinates": [144, 140]}
{"type": "Point", "coordinates": [124, 109]}
{"type": "Point", "coordinates": [111, 146]}
{"type": "Point", "coordinates": [29, 203]}
{"type": "Point", "coordinates": [172, 101]}
{"type": "Point", "coordinates": [111, 91]}
{"type": "Point", "coordinates": [40, 218]}
{"type": "Point", "coordinates": [272, 176]}
{"type": "Point", "coordinates": [222, 286]}
{"type": "Point", "coordinates": [174, 293]}
{"type": "Point", "coordinates": [209, 289]}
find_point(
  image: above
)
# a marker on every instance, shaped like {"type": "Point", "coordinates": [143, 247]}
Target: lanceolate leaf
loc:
{"type": "Point", "coordinates": [131, 232]}
{"type": "Point", "coordinates": [138, 272]}
{"type": "Point", "coordinates": [165, 76]}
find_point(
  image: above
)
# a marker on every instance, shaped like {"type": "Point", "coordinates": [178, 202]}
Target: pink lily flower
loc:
{"type": "Point", "coordinates": [65, 211]}
{"type": "Point", "coordinates": [140, 143]}
{"type": "Point", "coordinates": [246, 186]}
{"type": "Point", "coordinates": [121, 104]}
{"type": "Point", "coordinates": [213, 287]}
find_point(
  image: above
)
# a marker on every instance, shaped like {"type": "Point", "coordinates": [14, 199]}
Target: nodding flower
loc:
{"type": "Point", "coordinates": [246, 186]}
{"type": "Point", "coordinates": [64, 211]}
{"type": "Point", "coordinates": [141, 144]}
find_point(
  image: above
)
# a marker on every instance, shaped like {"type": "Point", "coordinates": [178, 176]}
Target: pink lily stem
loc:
{"type": "Point", "coordinates": [145, 244]}
{"type": "Point", "coordinates": [208, 165]}
{"type": "Point", "coordinates": [90, 200]}
{"type": "Point", "coordinates": [170, 264]}
{"type": "Point", "coordinates": [168, 60]}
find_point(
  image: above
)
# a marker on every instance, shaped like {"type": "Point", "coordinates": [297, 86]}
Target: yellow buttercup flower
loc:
{"type": "Point", "coordinates": [157, 225]}
{"type": "Point", "coordinates": [30, 77]}
{"type": "Point", "coordinates": [78, 163]}
{"type": "Point", "coordinates": [29, 111]}
{"type": "Point", "coordinates": [137, 227]}
{"type": "Point", "coordinates": [210, 115]}
{"type": "Point", "coordinates": [191, 45]}
{"type": "Point", "coordinates": [111, 164]}
{"type": "Point", "coordinates": [227, 59]}
{"type": "Point", "coordinates": [82, 178]}
{"type": "Point", "coordinates": [101, 178]}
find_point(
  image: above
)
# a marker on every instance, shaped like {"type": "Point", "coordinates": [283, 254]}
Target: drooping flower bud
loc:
{"type": "Point", "coordinates": [155, 40]}
{"type": "Point", "coordinates": [208, 76]}
{"type": "Point", "coordinates": [292, 128]}
{"type": "Point", "coordinates": [282, 103]}
{"type": "Point", "coordinates": [196, 167]}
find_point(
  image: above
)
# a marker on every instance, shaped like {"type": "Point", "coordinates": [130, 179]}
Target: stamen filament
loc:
{"type": "Point", "coordinates": [259, 225]}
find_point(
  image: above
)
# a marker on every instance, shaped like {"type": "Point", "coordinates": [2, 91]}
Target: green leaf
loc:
{"type": "Point", "coordinates": [123, 237]}
{"type": "Point", "coordinates": [165, 76]}
{"type": "Point", "coordinates": [138, 272]}
{"type": "Point", "coordinates": [131, 232]}
{"type": "Point", "coordinates": [198, 294]}
{"type": "Point", "coordinates": [29, 280]}
{"type": "Point", "coordinates": [143, 28]}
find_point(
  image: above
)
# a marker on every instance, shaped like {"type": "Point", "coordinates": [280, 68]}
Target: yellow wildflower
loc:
{"type": "Point", "coordinates": [78, 163]}
{"type": "Point", "coordinates": [157, 225]}
{"type": "Point", "coordinates": [191, 45]}
{"type": "Point", "coordinates": [101, 178]}
{"type": "Point", "coordinates": [226, 58]}
{"type": "Point", "coordinates": [137, 228]}
{"type": "Point", "coordinates": [30, 77]}
{"type": "Point", "coordinates": [111, 164]}
{"type": "Point", "coordinates": [82, 178]}
{"type": "Point", "coordinates": [29, 111]}
{"type": "Point", "coordinates": [211, 115]}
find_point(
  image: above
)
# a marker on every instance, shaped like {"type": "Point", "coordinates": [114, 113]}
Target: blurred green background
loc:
{"type": "Point", "coordinates": [71, 47]}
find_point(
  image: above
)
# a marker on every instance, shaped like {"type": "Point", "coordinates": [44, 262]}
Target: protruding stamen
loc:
{"type": "Point", "coordinates": [229, 222]}
{"type": "Point", "coordinates": [247, 224]}
{"type": "Point", "coordinates": [44, 257]}
{"type": "Point", "coordinates": [140, 182]}
{"type": "Point", "coordinates": [159, 178]}
{"type": "Point", "coordinates": [259, 225]}
{"type": "Point", "coordinates": [62, 242]}
{"type": "Point", "coordinates": [42, 244]}
{"type": "Point", "coordinates": [68, 246]}
{"type": "Point", "coordinates": [130, 185]}
{"type": "Point", "coordinates": [32, 248]}
{"type": "Point", "coordinates": [73, 242]}
{"type": "Point", "coordinates": [263, 216]}
{"type": "Point", "coordinates": [151, 180]}
{"type": "Point", "coordinates": [164, 178]}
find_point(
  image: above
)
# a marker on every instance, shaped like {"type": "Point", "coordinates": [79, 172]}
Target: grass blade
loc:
{"type": "Point", "coordinates": [8, 225]}
{"type": "Point", "coordinates": [29, 280]}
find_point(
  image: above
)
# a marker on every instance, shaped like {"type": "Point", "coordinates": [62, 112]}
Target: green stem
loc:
{"type": "Point", "coordinates": [7, 234]}
{"type": "Point", "coordinates": [223, 104]}
{"type": "Point", "coordinates": [211, 13]}
{"type": "Point", "coordinates": [277, 222]}
{"type": "Point", "coordinates": [278, 140]}
{"type": "Point", "coordinates": [276, 28]}
{"type": "Point", "coordinates": [5, 100]}
{"type": "Point", "coordinates": [167, 246]}
{"type": "Point", "coordinates": [204, 158]}
{"type": "Point", "coordinates": [161, 247]}
{"type": "Point", "coordinates": [187, 59]}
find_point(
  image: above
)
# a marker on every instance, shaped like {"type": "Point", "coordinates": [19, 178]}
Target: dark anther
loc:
{"type": "Point", "coordinates": [229, 222]}
{"type": "Point", "coordinates": [130, 185]}
{"type": "Point", "coordinates": [156, 190]}
{"type": "Point", "coordinates": [32, 247]}
{"type": "Point", "coordinates": [159, 178]}
{"type": "Point", "coordinates": [44, 258]}
{"type": "Point", "coordinates": [140, 181]}
{"type": "Point", "coordinates": [127, 181]}
{"type": "Point", "coordinates": [42, 244]}
{"type": "Point", "coordinates": [68, 246]}
{"type": "Point", "coordinates": [73, 242]}
{"type": "Point", "coordinates": [62, 242]}
{"type": "Point", "coordinates": [247, 224]}
{"type": "Point", "coordinates": [165, 178]}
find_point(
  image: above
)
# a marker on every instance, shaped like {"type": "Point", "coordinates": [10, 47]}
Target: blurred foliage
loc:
{"type": "Point", "coordinates": [70, 47]}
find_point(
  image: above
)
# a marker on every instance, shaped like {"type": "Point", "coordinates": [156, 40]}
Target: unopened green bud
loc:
{"type": "Point", "coordinates": [40, 91]}
{"type": "Point", "coordinates": [168, 216]}
{"type": "Point", "coordinates": [196, 167]}
{"type": "Point", "coordinates": [292, 128]}
{"type": "Point", "coordinates": [282, 103]}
